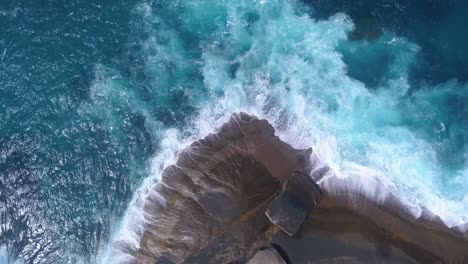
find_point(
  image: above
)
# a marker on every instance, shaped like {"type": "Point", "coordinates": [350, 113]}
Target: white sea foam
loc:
{"type": "Point", "coordinates": [288, 71]}
{"type": "Point", "coordinates": [131, 228]}
{"type": "Point", "coordinates": [6, 259]}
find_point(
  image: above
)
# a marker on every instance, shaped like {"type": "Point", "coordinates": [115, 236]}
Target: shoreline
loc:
{"type": "Point", "coordinates": [356, 229]}
{"type": "Point", "coordinates": [210, 206]}
{"type": "Point", "coordinates": [386, 225]}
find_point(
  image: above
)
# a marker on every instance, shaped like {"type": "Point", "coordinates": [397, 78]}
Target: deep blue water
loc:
{"type": "Point", "coordinates": [94, 96]}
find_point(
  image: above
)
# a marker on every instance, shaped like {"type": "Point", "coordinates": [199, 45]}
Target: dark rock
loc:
{"type": "Point", "coordinates": [288, 212]}
{"type": "Point", "coordinates": [268, 255]}
{"type": "Point", "coordinates": [210, 206]}
{"type": "Point", "coordinates": [290, 209]}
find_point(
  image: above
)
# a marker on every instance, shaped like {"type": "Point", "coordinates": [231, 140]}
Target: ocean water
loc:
{"type": "Point", "coordinates": [96, 97]}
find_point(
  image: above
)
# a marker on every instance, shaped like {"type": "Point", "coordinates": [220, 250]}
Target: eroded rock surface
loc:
{"type": "Point", "coordinates": [291, 208]}
{"type": "Point", "coordinates": [210, 206]}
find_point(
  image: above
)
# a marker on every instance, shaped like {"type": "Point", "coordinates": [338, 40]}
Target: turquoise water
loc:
{"type": "Point", "coordinates": [95, 97]}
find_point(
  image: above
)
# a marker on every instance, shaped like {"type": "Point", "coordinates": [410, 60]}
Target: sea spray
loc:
{"type": "Point", "coordinates": [272, 60]}
{"type": "Point", "coordinates": [6, 259]}
{"type": "Point", "coordinates": [81, 124]}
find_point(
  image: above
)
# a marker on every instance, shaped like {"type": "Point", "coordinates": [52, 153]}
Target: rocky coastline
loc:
{"type": "Point", "coordinates": [235, 193]}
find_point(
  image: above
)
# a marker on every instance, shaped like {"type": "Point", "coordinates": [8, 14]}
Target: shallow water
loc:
{"type": "Point", "coordinates": [96, 97]}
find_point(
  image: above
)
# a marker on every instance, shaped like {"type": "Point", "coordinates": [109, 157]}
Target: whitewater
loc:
{"type": "Point", "coordinates": [272, 60]}
{"type": "Point", "coordinates": [347, 91]}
